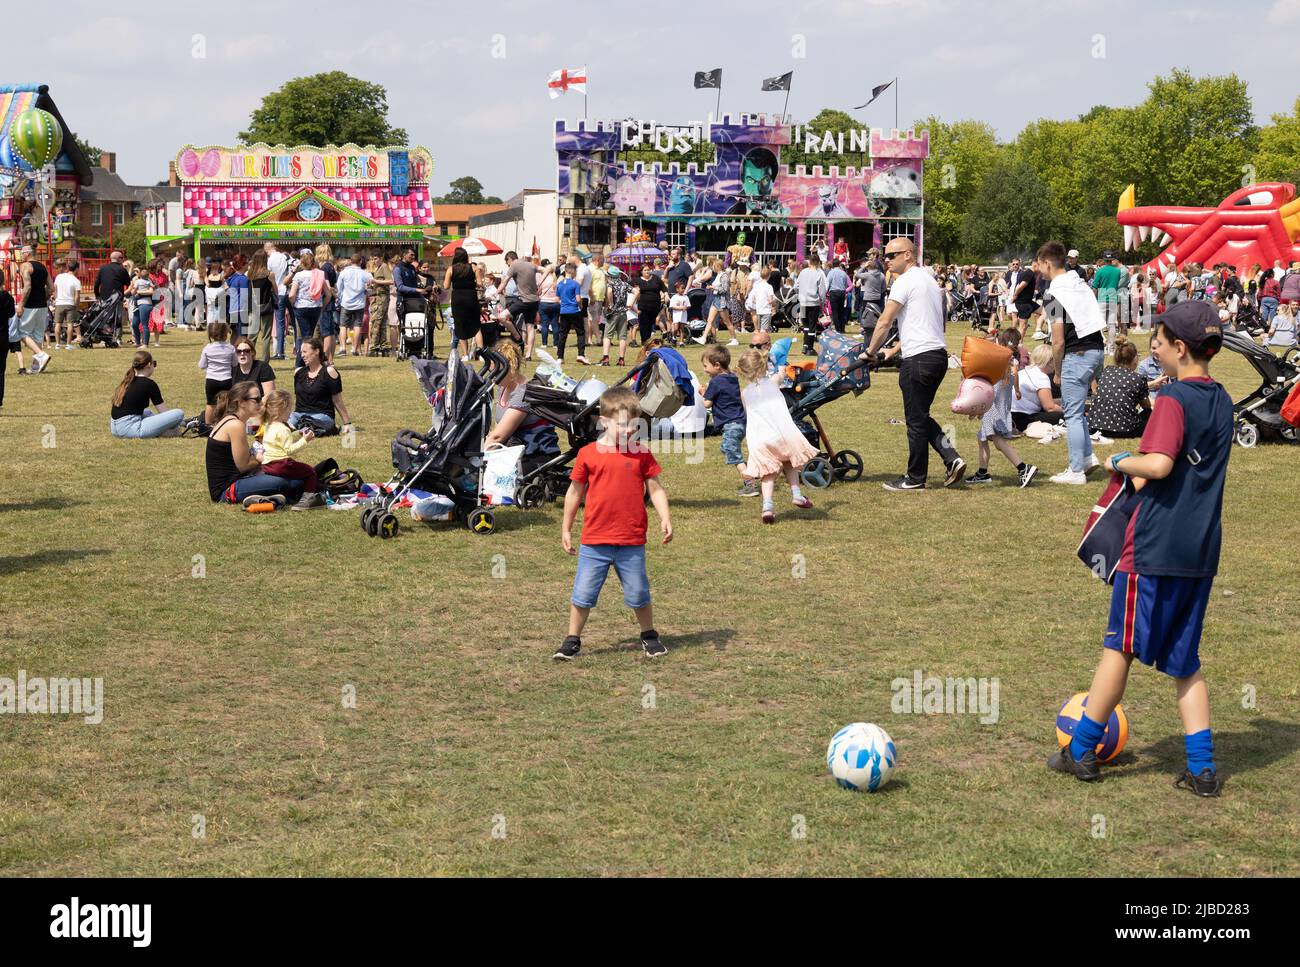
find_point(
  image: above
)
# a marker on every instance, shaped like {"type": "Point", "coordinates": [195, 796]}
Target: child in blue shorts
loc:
{"type": "Point", "coordinates": [722, 398]}
{"type": "Point", "coordinates": [1171, 549]}
{"type": "Point", "coordinates": [610, 477]}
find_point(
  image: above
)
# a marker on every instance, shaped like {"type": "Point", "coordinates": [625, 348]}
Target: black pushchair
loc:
{"type": "Point", "coordinates": [965, 308]}
{"type": "Point", "coordinates": [1262, 409]}
{"type": "Point", "coordinates": [417, 318]}
{"type": "Point", "coordinates": [447, 460]}
{"type": "Point", "coordinates": [809, 392]}
{"type": "Point", "coordinates": [548, 479]}
{"type": "Point", "coordinates": [102, 323]}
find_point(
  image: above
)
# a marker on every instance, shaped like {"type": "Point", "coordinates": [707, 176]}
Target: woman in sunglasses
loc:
{"type": "Point", "coordinates": [249, 369]}
{"type": "Point", "coordinates": [137, 393]}
{"type": "Point", "coordinates": [234, 474]}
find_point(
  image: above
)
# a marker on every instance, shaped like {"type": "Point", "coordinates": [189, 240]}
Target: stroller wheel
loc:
{"type": "Point", "coordinates": [365, 519]}
{"type": "Point", "coordinates": [817, 473]}
{"type": "Point", "coordinates": [1289, 433]}
{"type": "Point", "coordinates": [847, 465]}
{"type": "Point", "coordinates": [481, 521]}
{"type": "Point", "coordinates": [1292, 357]}
{"type": "Point", "coordinates": [532, 495]}
{"type": "Point", "coordinates": [372, 525]}
{"type": "Point", "coordinates": [1246, 435]}
{"type": "Point", "coordinates": [387, 525]}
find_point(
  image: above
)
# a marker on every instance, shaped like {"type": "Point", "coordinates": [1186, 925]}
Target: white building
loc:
{"type": "Point", "coordinates": [529, 216]}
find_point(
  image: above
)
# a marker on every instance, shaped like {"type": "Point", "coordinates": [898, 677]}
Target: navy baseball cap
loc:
{"type": "Point", "coordinates": [1196, 324]}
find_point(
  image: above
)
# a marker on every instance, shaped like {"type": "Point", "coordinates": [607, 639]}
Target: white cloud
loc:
{"type": "Point", "coordinates": [1284, 12]}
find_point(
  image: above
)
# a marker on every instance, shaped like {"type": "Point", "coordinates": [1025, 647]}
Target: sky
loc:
{"type": "Point", "coordinates": [468, 81]}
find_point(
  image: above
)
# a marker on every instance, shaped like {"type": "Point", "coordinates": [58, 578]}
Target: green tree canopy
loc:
{"type": "Point", "coordinates": [466, 190]}
{"type": "Point", "coordinates": [961, 155]}
{"type": "Point", "coordinates": [1010, 214]}
{"type": "Point", "coordinates": [328, 108]}
{"type": "Point", "coordinates": [92, 152]}
{"type": "Point", "coordinates": [1278, 156]}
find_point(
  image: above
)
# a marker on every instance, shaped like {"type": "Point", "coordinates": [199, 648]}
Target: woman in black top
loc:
{"type": "Point", "coordinates": [650, 291]}
{"type": "Point", "coordinates": [260, 318]}
{"type": "Point", "coordinates": [234, 474]}
{"type": "Point", "coordinates": [317, 392]}
{"type": "Point", "coordinates": [1121, 401]}
{"type": "Point", "coordinates": [249, 369]}
{"type": "Point", "coordinates": [464, 296]}
{"type": "Point", "coordinates": [134, 395]}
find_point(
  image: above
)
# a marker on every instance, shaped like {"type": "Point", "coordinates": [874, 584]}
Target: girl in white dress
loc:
{"type": "Point", "coordinates": [775, 444]}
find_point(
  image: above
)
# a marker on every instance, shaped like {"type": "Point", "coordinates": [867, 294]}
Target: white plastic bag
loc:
{"type": "Point", "coordinates": [501, 474]}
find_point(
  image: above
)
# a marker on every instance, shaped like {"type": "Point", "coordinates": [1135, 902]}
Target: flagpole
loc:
{"type": "Point", "coordinates": [717, 111]}
{"type": "Point", "coordinates": [786, 105]}
{"type": "Point", "coordinates": [895, 103]}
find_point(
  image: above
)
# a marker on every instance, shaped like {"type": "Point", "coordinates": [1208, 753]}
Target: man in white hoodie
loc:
{"type": "Point", "coordinates": [1079, 351]}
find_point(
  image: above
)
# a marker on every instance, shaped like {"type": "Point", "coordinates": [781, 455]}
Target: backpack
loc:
{"type": "Point", "coordinates": [660, 395]}
{"type": "Point", "coordinates": [1102, 543]}
{"type": "Point", "coordinates": [335, 482]}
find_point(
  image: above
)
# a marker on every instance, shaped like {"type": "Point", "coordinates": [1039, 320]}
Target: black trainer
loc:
{"type": "Point", "coordinates": [652, 645]}
{"type": "Point", "coordinates": [979, 477]}
{"type": "Point", "coordinates": [1087, 769]}
{"type": "Point", "coordinates": [569, 649]}
{"type": "Point", "coordinates": [1207, 784]}
{"type": "Point", "coordinates": [956, 470]}
{"type": "Point", "coordinates": [903, 483]}
{"type": "Point", "coordinates": [1027, 475]}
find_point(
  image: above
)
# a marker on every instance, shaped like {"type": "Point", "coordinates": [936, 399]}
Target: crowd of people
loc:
{"type": "Point", "coordinates": [254, 309]}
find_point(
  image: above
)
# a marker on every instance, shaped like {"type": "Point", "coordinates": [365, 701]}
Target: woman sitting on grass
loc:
{"type": "Point", "coordinates": [134, 395]}
{"type": "Point", "coordinates": [250, 369]}
{"type": "Point", "coordinates": [1121, 403]}
{"type": "Point", "coordinates": [515, 421]}
{"type": "Point", "coordinates": [1035, 403]}
{"type": "Point", "coordinates": [235, 475]}
{"type": "Point", "coordinates": [317, 391]}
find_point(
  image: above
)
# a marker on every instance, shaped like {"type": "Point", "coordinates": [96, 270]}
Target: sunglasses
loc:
{"type": "Point", "coordinates": [894, 255]}
{"type": "Point", "coordinates": [243, 352]}
{"type": "Point", "coordinates": [254, 399]}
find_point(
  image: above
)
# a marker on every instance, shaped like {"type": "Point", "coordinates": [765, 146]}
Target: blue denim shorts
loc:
{"type": "Point", "coordinates": [329, 323]}
{"type": "Point", "coordinates": [732, 435]}
{"type": "Point", "coordinates": [594, 561]}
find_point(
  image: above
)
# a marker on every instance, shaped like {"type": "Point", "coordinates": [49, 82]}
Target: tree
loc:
{"type": "Point", "coordinates": [1011, 213]}
{"type": "Point", "coordinates": [466, 190]}
{"type": "Point", "coordinates": [961, 155]}
{"type": "Point", "coordinates": [92, 152]}
{"type": "Point", "coordinates": [1051, 149]}
{"type": "Point", "coordinates": [330, 108]}
{"type": "Point", "coordinates": [1278, 156]}
{"type": "Point", "coordinates": [128, 238]}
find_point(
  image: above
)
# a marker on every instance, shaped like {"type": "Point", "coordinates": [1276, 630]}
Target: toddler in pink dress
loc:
{"type": "Point", "coordinates": [775, 444]}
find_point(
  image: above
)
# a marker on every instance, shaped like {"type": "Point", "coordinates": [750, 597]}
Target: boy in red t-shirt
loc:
{"type": "Point", "coordinates": [610, 475]}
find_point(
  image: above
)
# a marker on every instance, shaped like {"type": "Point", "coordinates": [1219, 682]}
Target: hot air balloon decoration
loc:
{"type": "Point", "coordinates": [36, 137]}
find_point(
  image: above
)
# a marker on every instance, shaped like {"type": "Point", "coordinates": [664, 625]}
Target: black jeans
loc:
{"type": "Point", "coordinates": [919, 377]}
{"type": "Point", "coordinates": [839, 309]}
{"type": "Point", "coordinates": [4, 361]}
{"type": "Point", "coordinates": [809, 316]}
{"type": "Point", "coordinates": [571, 322]}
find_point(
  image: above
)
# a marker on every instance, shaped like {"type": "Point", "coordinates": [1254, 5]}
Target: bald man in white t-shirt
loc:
{"type": "Point", "coordinates": [916, 302]}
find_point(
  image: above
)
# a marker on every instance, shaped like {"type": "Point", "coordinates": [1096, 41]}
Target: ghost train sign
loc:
{"type": "Point", "coordinates": [684, 138]}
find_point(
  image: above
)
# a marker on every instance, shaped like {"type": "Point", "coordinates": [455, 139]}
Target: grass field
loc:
{"type": "Point", "coordinates": [469, 751]}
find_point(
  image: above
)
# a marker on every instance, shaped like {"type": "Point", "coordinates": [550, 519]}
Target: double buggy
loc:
{"type": "Point", "coordinates": [838, 372]}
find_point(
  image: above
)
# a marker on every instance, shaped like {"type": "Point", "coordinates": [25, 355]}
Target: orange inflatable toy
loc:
{"type": "Point", "coordinates": [979, 357]}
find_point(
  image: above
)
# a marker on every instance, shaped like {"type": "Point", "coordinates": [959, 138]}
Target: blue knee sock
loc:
{"type": "Point", "coordinates": [1200, 751]}
{"type": "Point", "coordinates": [1087, 735]}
